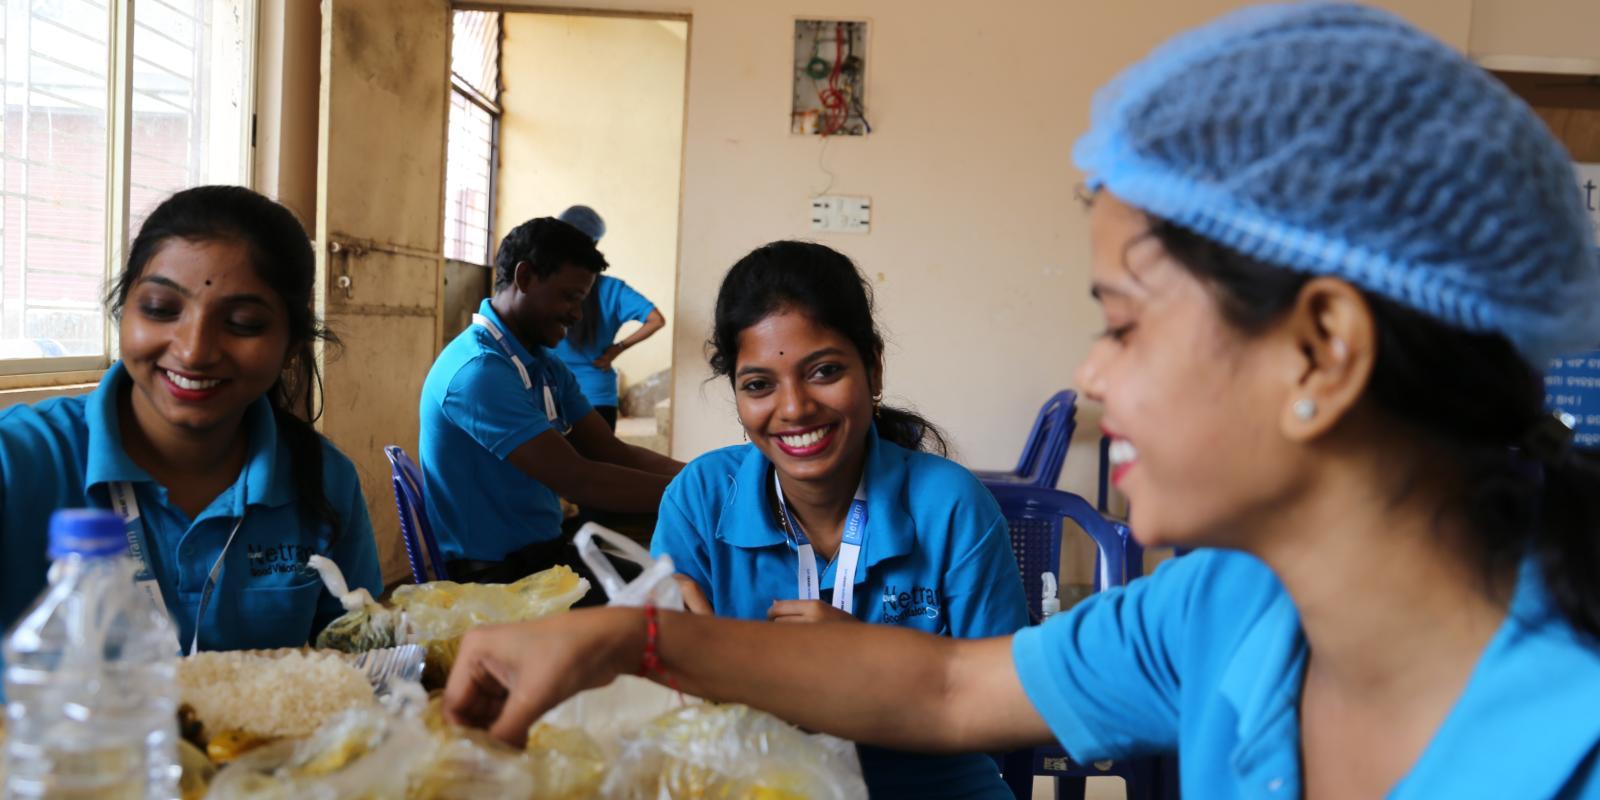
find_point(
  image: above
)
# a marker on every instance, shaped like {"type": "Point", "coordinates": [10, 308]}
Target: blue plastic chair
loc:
{"type": "Point", "coordinates": [1046, 449]}
{"type": "Point", "coordinates": [421, 549]}
{"type": "Point", "coordinates": [1035, 517]}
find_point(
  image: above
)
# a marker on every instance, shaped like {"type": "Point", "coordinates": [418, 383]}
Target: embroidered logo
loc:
{"type": "Point", "coordinates": [900, 605]}
{"type": "Point", "coordinates": [282, 559]}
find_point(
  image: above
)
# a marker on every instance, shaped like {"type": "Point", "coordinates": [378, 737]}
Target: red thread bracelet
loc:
{"type": "Point", "coordinates": [652, 655]}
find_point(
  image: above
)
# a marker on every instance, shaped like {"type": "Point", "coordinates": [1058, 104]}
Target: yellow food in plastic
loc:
{"type": "Point", "coordinates": [335, 758]}
{"type": "Point", "coordinates": [565, 763]}
{"type": "Point", "coordinates": [197, 771]}
{"type": "Point", "coordinates": [230, 744]}
{"type": "Point", "coordinates": [436, 615]}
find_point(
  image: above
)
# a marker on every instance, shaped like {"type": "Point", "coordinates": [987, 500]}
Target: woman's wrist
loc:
{"type": "Point", "coordinates": [626, 640]}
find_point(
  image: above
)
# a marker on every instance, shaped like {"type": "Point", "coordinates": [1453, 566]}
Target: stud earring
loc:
{"type": "Point", "coordinates": [1304, 409]}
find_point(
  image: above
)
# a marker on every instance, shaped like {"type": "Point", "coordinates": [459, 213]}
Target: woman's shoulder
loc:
{"type": "Point", "coordinates": [931, 475]}
{"type": "Point", "coordinates": [714, 469]}
{"type": "Point", "coordinates": [49, 426]}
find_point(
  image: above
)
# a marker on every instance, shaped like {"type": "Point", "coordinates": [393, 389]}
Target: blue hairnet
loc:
{"type": "Point", "coordinates": [1338, 140]}
{"type": "Point", "coordinates": [585, 219]}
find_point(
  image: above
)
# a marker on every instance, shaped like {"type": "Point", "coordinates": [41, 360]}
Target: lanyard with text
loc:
{"type": "Point", "coordinates": [550, 409]}
{"type": "Point", "coordinates": [126, 506]}
{"type": "Point", "coordinates": [855, 535]}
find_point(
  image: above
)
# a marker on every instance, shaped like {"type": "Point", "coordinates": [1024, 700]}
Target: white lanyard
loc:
{"type": "Point", "coordinates": [126, 505]}
{"type": "Point", "coordinates": [855, 535]}
{"type": "Point", "coordinates": [550, 409]}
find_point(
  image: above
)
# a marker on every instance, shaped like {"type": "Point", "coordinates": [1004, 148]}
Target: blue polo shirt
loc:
{"type": "Point", "coordinates": [1206, 657]}
{"type": "Point", "coordinates": [937, 558]}
{"type": "Point", "coordinates": [65, 452]}
{"type": "Point", "coordinates": [618, 303]}
{"type": "Point", "coordinates": [475, 412]}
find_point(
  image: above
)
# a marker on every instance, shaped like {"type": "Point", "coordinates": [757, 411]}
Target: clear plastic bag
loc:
{"type": "Point", "coordinates": [732, 751]}
{"type": "Point", "coordinates": [436, 614]}
{"type": "Point", "coordinates": [655, 583]}
{"type": "Point", "coordinates": [353, 757]}
{"type": "Point", "coordinates": [665, 746]}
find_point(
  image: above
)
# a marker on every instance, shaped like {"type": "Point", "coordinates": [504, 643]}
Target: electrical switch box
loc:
{"type": "Point", "coordinates": [830, 78]}
{"type": "Point", "coordinates": [837, 213]}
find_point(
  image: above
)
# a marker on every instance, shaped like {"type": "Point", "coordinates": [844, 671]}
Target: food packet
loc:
{"type": "Point", "coordinates": [366, 625]}
{"type": "Point", "coordinates": [362, 754]}
{"type": "Point", "coordinates": [436, 614]}
{"type": "Point", "coordinates": [732, 751]}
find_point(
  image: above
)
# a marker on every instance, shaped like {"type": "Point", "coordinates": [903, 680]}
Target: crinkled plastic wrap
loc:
{"type": "Point", "coordinates": [436, 614]}
{"type": "Point", "coordinates": [381, 754]}
{"type": "Point", "coordinates": [732, 751]}
{"type": "Point", "coordinates": [561, 763]}
{"type": "Point", "coordinates": [358, 755]}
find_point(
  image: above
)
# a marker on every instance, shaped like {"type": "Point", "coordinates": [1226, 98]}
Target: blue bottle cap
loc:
{"type": "Point", "coordinates": [88, 532]}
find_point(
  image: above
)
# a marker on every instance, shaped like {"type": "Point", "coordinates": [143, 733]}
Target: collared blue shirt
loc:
{"type": "Point", "coordinates": [65, 452]}
{"type": "Point", "coordinates": [618, 303]}
{"type": "Point", "coordinates": [1206, 657]}
{"type": "Point", "coordinates": [475, 412]}
{"type": "Point", "coordinates": [937, 558]}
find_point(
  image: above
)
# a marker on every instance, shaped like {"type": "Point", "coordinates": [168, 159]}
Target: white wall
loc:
{"type": "Point", "coordinates": [593, 114]}
{"type": "Point", "coordinates": [978, 248]}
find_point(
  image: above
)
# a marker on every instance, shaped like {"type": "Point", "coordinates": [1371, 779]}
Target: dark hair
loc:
{"type": "Point", "coordinates": [824, 285]}
{"type": "Point", "coordinates": [546, 243]}
{"type": "Point", "coordinates": [281, 253]}
{"type": "Point", "coordinates": [1472, 395]}
{"type": "Point", "coordinates": [583, 333]}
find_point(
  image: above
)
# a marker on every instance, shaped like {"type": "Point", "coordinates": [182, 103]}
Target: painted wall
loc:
{"type": "Point", "coordinates": [978, 249]}
{"type": "Point", "coordinates": [1550, 30]}
{"type": "Point", "coordinates": [593, 114]}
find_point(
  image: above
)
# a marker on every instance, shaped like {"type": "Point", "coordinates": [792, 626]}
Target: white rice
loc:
{"type": "Point", "coordinates": [284, 693]}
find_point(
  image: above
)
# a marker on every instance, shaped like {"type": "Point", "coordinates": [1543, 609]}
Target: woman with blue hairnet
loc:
{"type": "Point", "coordinates": [1332, 256]}
{"type": "Point", "coordinates": [591, 346]}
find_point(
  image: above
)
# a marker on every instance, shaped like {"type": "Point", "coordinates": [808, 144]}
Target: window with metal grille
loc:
{"type": "Point", "coordinates": [473, 140]}
{"type": "Point", "coordinates": [108, 107]}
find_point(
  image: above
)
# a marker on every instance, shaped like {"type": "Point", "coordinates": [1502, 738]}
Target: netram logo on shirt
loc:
{"type": "Point", "coordinates": [279, 559]}
{"type": "Point", "coordinates": [918, 601]}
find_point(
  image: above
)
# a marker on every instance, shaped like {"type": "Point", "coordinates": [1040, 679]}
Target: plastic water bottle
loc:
{"type": "Point", "coordinates": [91, 676]}
{"type": "Point", "coordinates": [1049, 602]}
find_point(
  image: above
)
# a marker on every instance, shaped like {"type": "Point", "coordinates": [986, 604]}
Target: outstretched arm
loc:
{"type": "Point", "coordinates": [875, 684]}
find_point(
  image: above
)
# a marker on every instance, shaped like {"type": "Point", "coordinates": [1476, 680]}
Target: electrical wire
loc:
{"type": "Point", "coordinates": [836, 109]}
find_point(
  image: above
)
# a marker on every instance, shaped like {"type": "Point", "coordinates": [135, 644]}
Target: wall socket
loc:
{"type": "Point", "coordinates": [837, 213]}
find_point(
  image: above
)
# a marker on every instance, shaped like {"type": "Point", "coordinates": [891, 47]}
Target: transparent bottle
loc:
{"type": "Point", "coordinates": [90, 676]}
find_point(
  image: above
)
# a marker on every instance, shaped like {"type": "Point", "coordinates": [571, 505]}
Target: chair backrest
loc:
{"type": "Point", "coordinates": [421, 549]}
{"type": "Point", "coordinates": [1046, 449]}
{"type": "Point", "coordinates": [1034, 515]}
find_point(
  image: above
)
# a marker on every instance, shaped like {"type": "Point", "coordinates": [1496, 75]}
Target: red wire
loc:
{"type": "Point", "coordinates": [833, 102]}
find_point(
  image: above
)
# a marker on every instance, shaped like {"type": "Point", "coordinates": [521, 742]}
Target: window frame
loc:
{"type": "Point", "coordinates": [63, 371]}
{"type": "Point", "coordinates": [460, 85]}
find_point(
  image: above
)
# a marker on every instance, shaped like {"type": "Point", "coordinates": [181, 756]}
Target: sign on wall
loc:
{"type": "Point", "coordinates": [1572, 384]}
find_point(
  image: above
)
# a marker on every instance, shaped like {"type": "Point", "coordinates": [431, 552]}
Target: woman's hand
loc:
{"type": "Point", "coordinates": [610, 355]}
{"type": "Point", "coordinates": [507, 676]}
{"type": "Point", "coordinates": [694, 600]}
{"type": "Point", "coordinates": [806, 611]}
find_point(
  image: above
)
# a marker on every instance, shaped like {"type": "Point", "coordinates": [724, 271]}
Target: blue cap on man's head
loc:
{"type": "Point", "coordinates": [585, 219]}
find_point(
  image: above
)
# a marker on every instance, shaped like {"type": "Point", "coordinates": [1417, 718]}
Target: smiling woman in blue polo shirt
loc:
{"type": "Point", "coordinates": [836, 482]}
{"type": "Point", "coordinates": [193, 434]}
{"type": "Point", "coordinates": [1333, 257]}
